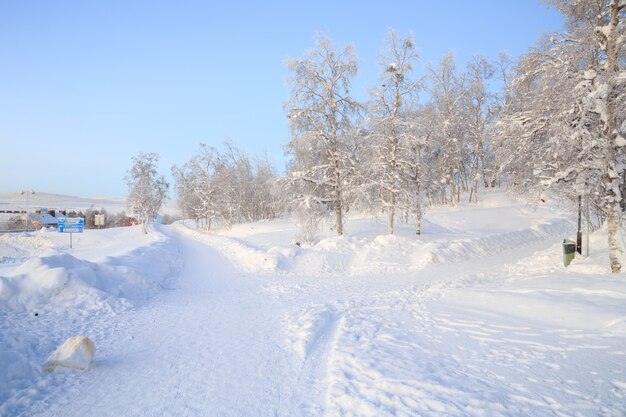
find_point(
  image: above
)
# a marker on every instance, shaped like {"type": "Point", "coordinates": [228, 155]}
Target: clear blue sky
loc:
{"type": "Point", "coordinates": [85, 85]}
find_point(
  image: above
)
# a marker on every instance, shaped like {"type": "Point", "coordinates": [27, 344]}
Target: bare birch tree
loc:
{"type": "Point", "coordinates": [447, 89]}
{"type": "Point", "coordinates": [146, 189]}
{"type": "Point", "coordinates": [227, 186]}
{"type": "Point", "coordinates": [321, 114]}
{"type": "Point", "coordinates": [396, 168]}
{"type": "Point", "coordinates": [564, 126]}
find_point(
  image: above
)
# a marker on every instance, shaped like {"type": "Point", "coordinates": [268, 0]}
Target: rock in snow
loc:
{"type": "Point", "coordinates": [75, 352]}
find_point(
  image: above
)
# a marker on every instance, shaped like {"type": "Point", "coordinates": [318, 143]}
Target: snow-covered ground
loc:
{"type": "Point", "coordinates": [18, 201]}
{"type": "Point", "coordinates": [14, 201]}
{"type": "Point", "coordinates": [475, 317]}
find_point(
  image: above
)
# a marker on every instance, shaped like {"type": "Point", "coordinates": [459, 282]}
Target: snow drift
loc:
{"type": "Point", "coordinates": [64, 279]}
{"type": "Point", "coordinates": [61, 293]}
{"type": "Point", "coordinates": [448, 235]}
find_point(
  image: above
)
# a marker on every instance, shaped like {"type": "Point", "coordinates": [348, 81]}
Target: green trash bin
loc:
{"type": "Point", "coordinates": [569, 250]}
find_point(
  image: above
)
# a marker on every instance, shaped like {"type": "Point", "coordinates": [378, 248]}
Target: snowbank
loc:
{"type": "Point", "coordinates": [18, 247]}
{"type": "Point", "coordinates": [55, 291]}
{"type": "Point", "coordinates": [242, 254]}
{"type": "Point", "coordinates": [65, 280]}
{"type": "Point", "coordinates": [448, 235]}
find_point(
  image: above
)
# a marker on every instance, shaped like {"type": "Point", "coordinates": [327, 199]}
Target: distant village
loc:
{"type": "Point", "coordinates": [13, 219]}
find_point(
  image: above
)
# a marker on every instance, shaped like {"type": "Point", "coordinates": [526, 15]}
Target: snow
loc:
{"type": "Point", "coordinates": [475, 317]}
{"type": "Point", "coordinates": [590, 74]}
{"type": "Point", "coordinates": [17, 201]}
{"type": "Point", "coordinates": [76, 352]}
{"type": "Point", "coordinates": [60, 202]}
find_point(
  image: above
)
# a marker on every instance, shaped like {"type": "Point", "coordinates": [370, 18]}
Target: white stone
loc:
{"type": "Point", "coordinates": [75, 352]}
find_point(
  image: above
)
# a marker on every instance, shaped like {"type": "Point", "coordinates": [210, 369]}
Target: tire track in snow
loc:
{"type": "Point", "coordinates": [311, 336]}
{"type": "Point", "coordinates": [394, 356]}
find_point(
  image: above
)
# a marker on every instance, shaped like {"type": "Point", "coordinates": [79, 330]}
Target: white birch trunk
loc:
{"type": "Point", "coordinates": [611, 183]}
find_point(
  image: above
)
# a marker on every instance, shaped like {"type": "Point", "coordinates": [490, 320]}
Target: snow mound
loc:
{"type": "Point", "coordinates": [65, 280]}
{"type": "Point", "coordinates": [242, 254]}
{"type": "Point", "coordinates": [17, 247]}
{"type": "Point", "coordinates": [56, 292]}
{"type": "Point", "coordinates": [448, 235]}
{"type": "Point", "coordinates": [76, 352]}
{"type": "Point", "coordinates": [365, 253]}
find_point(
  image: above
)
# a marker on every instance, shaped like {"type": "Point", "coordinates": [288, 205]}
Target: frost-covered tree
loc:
{"type": "Point", "coordinates": [606, 86]}
{"type": "Point", "coordinates": [455, 125]}
{"type": "Point", "coordinates": [447, 127]}
{"type": "Point", "coordinates": [197, 186]}
{"type": "Point", "coordinates": [146, 189]}
{"type": "Point", "coordinates": [249, 186]}
{"type": "Point", "coordinates": [321, 114]}
{"type": "Point", "coordinates": [268, 200]}
{"type": "Point", "coordinates": [395, 170]}
{"type": "Point", "coordinates": [563, 126]}
{"type": "Point", "coordinates": [476, 106]}
{"type": "Point", "coordinates": [227, 186]}
{"type": "Point", "coordinates": [503, 70]}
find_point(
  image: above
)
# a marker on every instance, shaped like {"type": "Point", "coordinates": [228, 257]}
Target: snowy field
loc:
{"type": "Point", "coordinates": [14, 201]}
{"type": "Point", "coordinates": [475, 317]}
{"type": "Point", "coordinates": [18, 202]}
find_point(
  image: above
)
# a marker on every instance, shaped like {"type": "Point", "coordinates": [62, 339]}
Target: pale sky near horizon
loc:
{"type": "Point", "coordinates": [84, 86]}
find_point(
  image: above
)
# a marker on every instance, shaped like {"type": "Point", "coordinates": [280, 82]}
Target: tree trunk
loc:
{"type": "Point", "coordinates": [622, 190]}
{"type": "Point", "coordinates": [338, 214]}
{"type": "Point", "coordinates": [611, 183]}
{"type": "Point", "coordinates": [418, 219]}
{"type": "Point", "coordinates": [613, 234]}
{"type": "Point", "coordinates": [338, 208]}
{"type": "Point", "coordinates": [452, 187]}
{"type": "Point", "coordinates": [391, 212]}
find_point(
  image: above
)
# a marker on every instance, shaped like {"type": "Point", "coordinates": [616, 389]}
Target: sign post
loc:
{"type": "Point", "coordinates": [71, 225]}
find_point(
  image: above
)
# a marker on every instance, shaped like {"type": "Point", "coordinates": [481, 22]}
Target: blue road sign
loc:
{"type": "Point", "coordinates": [71, 225]}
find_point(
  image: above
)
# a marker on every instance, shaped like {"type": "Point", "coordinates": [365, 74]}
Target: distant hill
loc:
{"type": "Point", "coordinates": [17, 201]}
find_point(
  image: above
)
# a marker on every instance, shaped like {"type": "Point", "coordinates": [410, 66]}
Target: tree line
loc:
{"type": "Point", "coordinates": [556, 124]}
{"type": "Point", "coordinates": [554, 120]}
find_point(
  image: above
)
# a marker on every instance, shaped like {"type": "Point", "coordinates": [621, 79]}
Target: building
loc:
{"type": "Point", "coordinates": [45, 218]}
